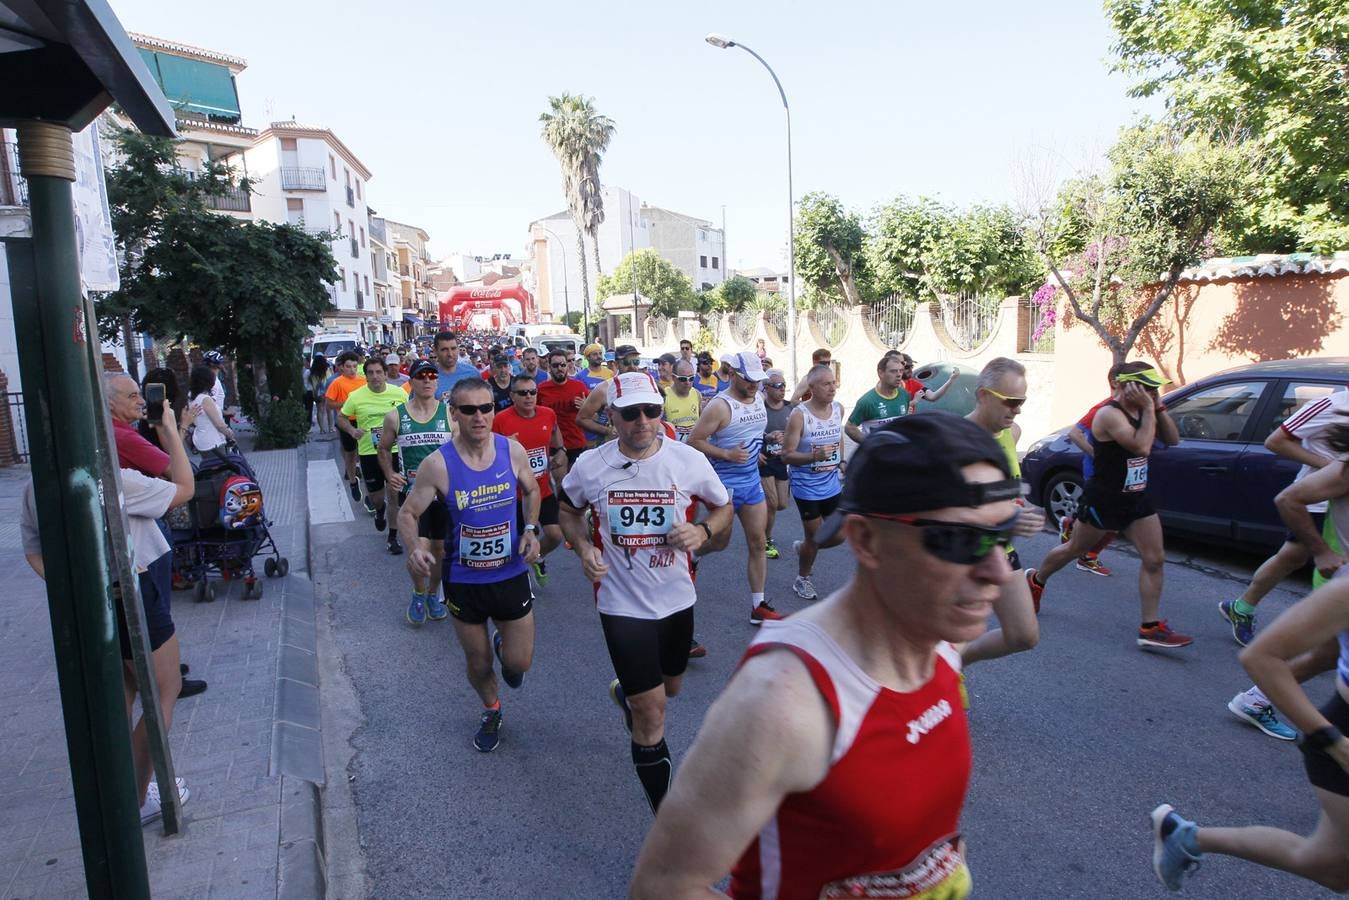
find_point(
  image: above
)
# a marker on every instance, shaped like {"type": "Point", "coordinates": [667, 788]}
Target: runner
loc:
{"type": "Point", "coordinates": [706, 383]}
{"type": "Point", "coordinates": [501, 381]}
{"type": "Point", "coordinates": [1116, 497]}
{"type": "Point", "coordinates": [418, 428]}
{"type": "Point", "coordinates": [682, 403]}
{"type": "Point", "coordinates": [772, 470]}
{"type": "Point", "coordinates": [812, 450]}
{"type": "Point", "coordinates": [596, 371]}
{"type": "Point", "coordinates": [595, 375]}
{"type": "Point", "coordinates": [344, 381]}
{"type": "Point", "coordinates": [665, 371]}
{"type": "Point", "coordinates": [451, 365]}
{"type": "Point", "coordinates": [535, 428]}
{"type": "Point", "coordinates": [485, 578]}
{"type": "Point", "coordinates": [730, 433]}
{"type": "Point", "coordinates": [564, 395]}
{"type": "Point", "coordinates": [529, 365]}
{"type": "Point", "coordinates": [363, 416]}
{"type": "Point", "coordinates": [1080, 436]}
{"type": "Point", "coordinates": [836, 761]}
{"type": "Point", "coordinates": [997, 402]}
{"type": "Point", "coordinates": [882, 404]}
{"type": "Point", "coordinates": [821, 357]}
{"type": "Point", "coordinates": [642, 492]}
{"type": "Point", "coordinates": [593, 414]}
{"type": "Point", "coordinates": [916, 389]}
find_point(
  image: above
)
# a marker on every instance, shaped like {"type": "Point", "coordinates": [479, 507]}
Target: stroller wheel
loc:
{"type": "Point", "coordinates": [269, 567]}
{"type": "Point", "coordinates": [210, 592]}
{"type": "Point", "coordinates": [282, 566]}
{"type": "Point", "coordinates": [199, 591]}
{"type": "Point", "coordinates": [257, 590]}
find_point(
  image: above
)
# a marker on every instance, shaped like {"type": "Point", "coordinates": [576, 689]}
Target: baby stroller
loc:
{"type": "Point", "coordinates": [224, 528]}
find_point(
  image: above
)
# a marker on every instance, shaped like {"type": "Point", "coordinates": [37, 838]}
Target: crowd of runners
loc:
{"type": "Point", "coordinates": [641, 468]}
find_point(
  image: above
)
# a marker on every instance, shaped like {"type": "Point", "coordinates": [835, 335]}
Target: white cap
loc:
{"type": "Point", "coordinates": [632, 388]}
{"type": "Point", "coordinates": [747, 365]}
{"type": "Point", "coordinates": [391, 359]}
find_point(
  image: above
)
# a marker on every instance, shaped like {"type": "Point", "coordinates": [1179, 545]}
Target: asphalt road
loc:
{"type": "Point", "coordinates": [1074, 742]}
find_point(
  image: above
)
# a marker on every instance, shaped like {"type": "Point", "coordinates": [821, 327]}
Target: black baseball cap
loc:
{"type": "Point", "coordinates": [501, 359]}
{"type": "Point", "coordinates": [913, 465]}
{"type": "Point", "coordinates": [625, 350]}
{"type": "Point", "coordinates": [422, 365]}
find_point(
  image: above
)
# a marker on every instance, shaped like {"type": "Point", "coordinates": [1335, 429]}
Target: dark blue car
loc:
{"type": "Point", "coordinates": [1217, 484]}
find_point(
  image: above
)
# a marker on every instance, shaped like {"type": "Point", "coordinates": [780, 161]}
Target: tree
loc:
{"type": "Point", "coordinates": [1116, 244]}
{"type": "Point", "coordinates": [578, 136]}
{"type": "Point", "coordinates": [656, 278]}
{"type": "Point", "coordinates": [1274, 73]}
{"type": "Point", "coordinates": [829, 245]}
{"type": "Point", "coordinates": [732, 295]}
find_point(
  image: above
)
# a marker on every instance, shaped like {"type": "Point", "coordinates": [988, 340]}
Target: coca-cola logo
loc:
{"type": "Point", "coordinates": [484, 293]}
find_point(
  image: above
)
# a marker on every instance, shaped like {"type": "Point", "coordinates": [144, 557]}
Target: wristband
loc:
{"type": "Point", "coordinates": [1321, 739]}
{"type": "Point", "coordinates": [703, 526]}
{"type": "Point", "coordinates": [532, 528]}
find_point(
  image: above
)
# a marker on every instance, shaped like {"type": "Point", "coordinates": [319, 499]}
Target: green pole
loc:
{"type": "Point", "coordinates": [60, 397]}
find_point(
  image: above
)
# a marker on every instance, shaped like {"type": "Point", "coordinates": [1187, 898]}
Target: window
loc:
{"type": "Point", "coordinates": [1218, 413]}
{"type": "Point", "coordinates": [367, 284]}
{"type": "Point", "coordinates": [715, 262]}
{"type": "Point", "coordinates": [288, 144]}
{"type": "Point", "coordinates": [702, 262]}
{"type": "Point", "coordinates": [337, 223]}
{"type": "Point", "coordinates": [342, 274]}
{"type": "Point", "coordinates": [351, 226]}
{"type": "Point", "coordinates": [346, 173]}
{"type": "Point", "coordinates": [332, 165]}
{"type": "Point", "coordinates": [362, 235]}
{"type": "Point", "coordinates": [1296, 395]}
{"type": "Point", "coordinates": [358, 188]}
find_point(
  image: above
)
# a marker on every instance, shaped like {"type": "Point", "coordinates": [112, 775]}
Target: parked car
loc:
{"type": "Point", "coordinates": [1217, 484]}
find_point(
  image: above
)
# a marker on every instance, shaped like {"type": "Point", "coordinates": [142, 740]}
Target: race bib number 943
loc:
{"type": "Point", "coordinates": [640, 518]}
{"type": "Point", "coordinates": [484, 548]}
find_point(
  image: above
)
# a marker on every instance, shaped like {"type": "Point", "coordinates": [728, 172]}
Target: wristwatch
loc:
{"type": "Point", "coordinates": [703, 526]}
{"type": "Point", "coordinates": [533, 529]}
{"type": "Point", "coordinates": [1320, 739]}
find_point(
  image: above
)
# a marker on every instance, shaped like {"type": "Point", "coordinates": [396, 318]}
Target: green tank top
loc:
{"type": "Point", "coordinates": [418, 440]}
{"type": "Point", "coordinates": [1007, 441]}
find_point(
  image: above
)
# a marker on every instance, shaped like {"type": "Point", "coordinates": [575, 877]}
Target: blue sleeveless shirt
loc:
{"type": "Point", "coordinates": [483, 546]}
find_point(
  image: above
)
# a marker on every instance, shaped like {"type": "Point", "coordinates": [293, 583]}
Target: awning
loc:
{"type": "Point", "coordinates": [410, 319]}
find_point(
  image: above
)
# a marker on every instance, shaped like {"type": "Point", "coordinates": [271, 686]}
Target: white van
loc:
{"type": "Point", "coordinates": [570, 343]}
{"type": "Point", "coordinates": [331, 343]}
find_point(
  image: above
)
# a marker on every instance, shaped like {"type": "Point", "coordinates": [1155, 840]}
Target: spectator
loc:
{"type": "Point", "coordinates": [210, 434]}
{"type": "Point", "coordinates": [315, 384]}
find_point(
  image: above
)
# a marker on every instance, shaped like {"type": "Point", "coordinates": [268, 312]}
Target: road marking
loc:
{"type": "Point", "coordinates": [327, 494]}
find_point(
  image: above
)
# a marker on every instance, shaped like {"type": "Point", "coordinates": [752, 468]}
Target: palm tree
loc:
{"type": "Point", "coordinates": [578, 135]}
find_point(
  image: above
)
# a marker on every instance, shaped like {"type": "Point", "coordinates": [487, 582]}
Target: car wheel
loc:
{"type": "Point", "coordinates": [1062, 495]}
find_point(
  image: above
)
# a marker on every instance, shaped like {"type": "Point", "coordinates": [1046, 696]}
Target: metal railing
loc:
{"type": "Point", "coordinates": [776, 321]}
{"type": "Point", "coordinates": [236, 199]}
{"type": "Point", "coordinates": [969, 319]}
{"type": "Point", "coordinates": [16, 415]}
{"type": "Point", "coordinates": [1038, 321]}
{"type": "Point", "coordinates": [832, 323]}
{"type": "Point", "coordinates": [712, 321]}
{"type": "Point", "coordinates": [13, 186]}
{"type": "Point", "coordinates": [303, 178]}
{"type": "Point", "coordinates": [891, 318]}
{"type": "Point", "coordinates": [742, 326]}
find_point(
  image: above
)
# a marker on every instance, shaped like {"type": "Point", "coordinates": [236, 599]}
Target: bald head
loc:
{"type": "Point", "coordinates": [124, 397]}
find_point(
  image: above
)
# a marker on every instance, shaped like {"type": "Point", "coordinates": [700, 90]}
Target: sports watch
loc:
{"type": "Point", "coordinates": [1320, 739]}
{"type": "Point", "coordinates": [533, 529]}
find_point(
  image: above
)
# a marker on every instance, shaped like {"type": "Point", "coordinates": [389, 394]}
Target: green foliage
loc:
{"type": "Point", "coordinates": [829, 248]}
{"type": "Point", "coordinates": [655, 277]}
{"type": "Point", "coordinates": [732, 295]}
{"type": "Point", "coordinates": [1271, 73]}
{"type": "Point", "coordinates": [283, 425]}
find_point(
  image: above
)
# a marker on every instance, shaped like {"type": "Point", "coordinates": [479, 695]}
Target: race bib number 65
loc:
{"type": "Point", "coordinates": [640, 518]}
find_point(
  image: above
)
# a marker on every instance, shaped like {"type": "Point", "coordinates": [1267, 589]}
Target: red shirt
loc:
{"type": "Point", "coordinates": [1090, 417]}
{"type": "Point", "coordinates": [135, 452]}
{"type": "Point", "coordinates": [535, 434]}
{"type": "Point", "coordinates": [560, 398]}
{"type": "Point", "coordinates": [885, 821]}
{"type": "Point", "coordinates": [914, 387]}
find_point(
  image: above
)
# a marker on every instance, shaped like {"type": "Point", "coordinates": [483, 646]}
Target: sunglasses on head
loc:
{"type": "Point", "coordinates": [777, 384]}
{"type": "Point", "coordinates": [468, 409]}
{"type": "Point", "coordinates": [650, 410]}
{"type": "Point", "coordinates": [957, 542]}
{"type": "Point", "coordinates": [1009, 402]}
{"type": "Point", "coordinates": [526, 392]}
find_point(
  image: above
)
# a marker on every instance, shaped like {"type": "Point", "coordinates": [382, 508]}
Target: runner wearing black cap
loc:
{"type": "Point", "coordinates": [852, 703]}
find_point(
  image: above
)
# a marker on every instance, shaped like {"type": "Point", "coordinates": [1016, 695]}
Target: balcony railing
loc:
{"type": "Point", "coordinates": [355, 251]}
{"type": "Point", "coordinates": [303, 178]}
{"type": "Point", "coordinates": [13, 186]}
{"type": "Point", "coordinates": [351, 196]}
{"type": "Point", "coordinates": [235, 200]}
{"type": "Point", "coordinates": [378, 231]}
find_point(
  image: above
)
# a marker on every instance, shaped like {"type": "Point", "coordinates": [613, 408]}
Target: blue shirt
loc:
{"type": "Point", "coordinates": [445, 383]}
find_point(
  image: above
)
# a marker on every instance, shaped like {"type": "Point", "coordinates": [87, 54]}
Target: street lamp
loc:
{"type": "Point", "coordinates": [721, 42]}
{"type": "Point", "coordinates": [566, 296]}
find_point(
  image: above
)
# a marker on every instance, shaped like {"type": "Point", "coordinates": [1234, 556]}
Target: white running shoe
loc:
{"type": "Point", "coordinates": [804, 589]}
{"type": "Point", "coordinates": [151, 809]}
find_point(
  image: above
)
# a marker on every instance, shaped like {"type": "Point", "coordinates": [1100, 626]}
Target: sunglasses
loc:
{"type": "Point", "coordinates": [650, 410]}
{"type": "Point", "coordinates": [631, 363]}
{"type": "Point", "coordinates": [1009, 402]}
{"type": "Point", "coordinates": [957, 542]}
{"type": "Point", "coordinates": [530, 392]}
{"type": "Point", "coordinates": [684, 378]}
{"type": "Point", "coordinates": [777, 384]}
{"type": "Point", "coordinates": [468, 409]}
{"type": "Point", "coordinates": [427, 376]}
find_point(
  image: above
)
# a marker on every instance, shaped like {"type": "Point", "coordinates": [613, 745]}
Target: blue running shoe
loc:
{"type": "Point", "coordinates": [489, 731]}
{"type": "Point", "coordinates": [435, 607]}
{"type": "Point", "coordinates": [1262, 716]}
{"type": "Point", "coordinates": [417, 610]}
{"type": "Point", "coordinates": [621, 700]}
{"type": "Point", "coordinates": [1174, 854]}
{"type": "Point", "coordinates": [512, 679]}
{"type": "Point", "coordinates": [1243, 627]}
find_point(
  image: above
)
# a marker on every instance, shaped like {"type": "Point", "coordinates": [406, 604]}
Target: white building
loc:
{"type": "Point", "coordinates": [387, 284]}
{"type": "Point", "coordinates": [693, 245]}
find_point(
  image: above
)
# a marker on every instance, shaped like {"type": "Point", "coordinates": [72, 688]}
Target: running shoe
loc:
{"type": "Point", "coordinates": [621, 701]}
{"type": "Point", "coordinates": [1262, 716]}
{"type": "Point", "coordinates": [540, 572]}
{"type": "Point", "coordinates": [435, 607]}
{"type": "Point", "coordinates": [394, 546]}
{"type": "Point", "coordinates": [380, 521]}
{"type": "Point", "coordinates": [803, 588]}
{"type": "Point", "coordinates": [770, 550]}
{"type": "Point", "coordinates": [355, 490]}
{"type": "Point", "coordinates": [513, 679]}
{"type": "Point", "coordinates": [489, 731]}
{"type": "Point", "coordinates": [1243, 627]}
{"type": "Point", "coordinates": [369, 505]}
{"type": "Point", "coordinates": [1161, 635]}
{"type": "Point", "coordinates": [696, 650]}
{"type": "Point", "coordinates": [151, 810]}
{"type": "Point", "coordinates": [1174, 853]}
{"type": "Point", "coordinates": [1036, 589]}
{"type": "Point", "coordinates": [764, 612]}
{"type": "Point", "coordinates": [417, 609]}
{"type": "Point", "coordinates": [1092, 564]}
{"type": "Point", "coordinates": [1065, 529]}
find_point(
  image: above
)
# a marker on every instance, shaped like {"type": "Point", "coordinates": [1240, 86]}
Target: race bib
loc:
{"type": "Point", "coordinates": [828, 464]}
{"type": "Point", "coordinates": [1136, 474]}
{"type": "Point", "coordinates": [872, 424]}
{"type": "Point", "coordinates": [538, 460]}
{"type": "Point", "coordinates": [374, 436]}
{"type": "Point", "coordinates": [773, 449]}
{"type": "Point", "coordinates": [640, 519]}
{"type": "Point", "coordinates": [939, 873]}
{"type": "Point", "coordinates": [484, 548]}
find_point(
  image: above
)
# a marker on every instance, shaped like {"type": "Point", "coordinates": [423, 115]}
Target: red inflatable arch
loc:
{"type": "Point", "coordinates": [506, 305]}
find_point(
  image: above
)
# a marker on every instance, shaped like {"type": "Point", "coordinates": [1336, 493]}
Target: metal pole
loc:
{"type": "Point", "coordinates": [61, 396]}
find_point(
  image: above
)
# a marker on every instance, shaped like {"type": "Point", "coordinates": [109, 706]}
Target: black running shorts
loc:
{"type": "Point", "coordinates": [816, 509]}
{"type": "Point", "coordinates": [548, 510]}
{"type": "Point", "coordinates": [372, 474]}
{"type": "Point", "coordinates": [348, 442]}
{"type": "Point", "coordinates": [500, 601]}
{"type": "Point", "coordinates": [1322, 770]}
{"type": "Point", "coordinates": [647, 651]}
{"type": "Point", "coordinates": [434, 522]}
{"type": "Point", "coordinates": [1115, 512]}
{"type": "Point", "coordinates": [776, 468]}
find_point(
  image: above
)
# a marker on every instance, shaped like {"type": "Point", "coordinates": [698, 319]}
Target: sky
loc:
{"type": "Point", "coordinates": [957, 100]}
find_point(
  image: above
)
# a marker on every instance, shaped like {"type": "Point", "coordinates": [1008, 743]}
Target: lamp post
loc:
{"type": "Point", "coordinates": [722, 42]}
{"type": "Point", "coordinates": [566, 296]}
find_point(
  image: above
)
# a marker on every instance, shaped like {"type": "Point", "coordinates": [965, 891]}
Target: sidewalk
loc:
{"type": "Point", "coordinates": [249, 747]}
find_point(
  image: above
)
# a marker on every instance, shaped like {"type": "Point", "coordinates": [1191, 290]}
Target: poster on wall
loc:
{"type": "Point", "coordinates": [93, 221]}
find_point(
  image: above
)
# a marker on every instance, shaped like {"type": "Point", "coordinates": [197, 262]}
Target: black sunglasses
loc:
{"type": "Point", "coordinates": [468, 409]}
{"type": "Point", "coordinates": [650, 410]}
{"type": "Point", "coordinates": [957, 542]}
{"type": "Point", "coordinates": [528, 392]}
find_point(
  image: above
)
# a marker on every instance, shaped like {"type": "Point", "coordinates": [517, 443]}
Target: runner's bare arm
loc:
{"type": "Point", "coordinates": [388, 437]}
{"type": "Point", "coordinates": [932, 396]}
{"type": "Point", "coordinates": [802, 387]}
{"type": "Point", "coordinates": [574, 530]}
{"type": "Point", "coordinates": [1327, 483]}
{"type": "Point", "coordinates": [767, 736]}
{"type": "Point", "coordinates": [1112, 425]}
{"type": "Point", "coordinates": [432, 481]}
{"type": "Point", "coordinates": [796, 424]}
{"type": "Point", "coordinates": [715, 417]}
{"type": "Point", "coordinates": [594, 402]}
{"type": "Point", "coordinates": [1289, 447]}
{"type": "Point", "coordinates": [1079, 440]}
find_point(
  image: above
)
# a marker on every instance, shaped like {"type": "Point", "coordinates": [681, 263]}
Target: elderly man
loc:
{"type": "Point", "coordinates": [682, 402]}
{"type": "Point", "coordinates": [791, 785]}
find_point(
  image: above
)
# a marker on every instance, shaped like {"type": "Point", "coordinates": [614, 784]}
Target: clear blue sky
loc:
{"type": "Point", "coordinates": [940, 99]}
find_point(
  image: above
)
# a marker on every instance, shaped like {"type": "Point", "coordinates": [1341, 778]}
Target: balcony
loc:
{"type": "Point", "coordinates": [13, 186]}
{"type": "Point", "coordinates": [351, 196]}
{"type": "Point", "coordinates": [378, 231]}
{"type": "Point", "coordinates": [355, 251]}
{"type": "Point", "coordinates": [303, 178]}
{"type": "Point", "coordinates": [234, 200]}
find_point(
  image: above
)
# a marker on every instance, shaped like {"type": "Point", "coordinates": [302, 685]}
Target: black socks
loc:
{"type": "Point", "coordinates": [654, 769]}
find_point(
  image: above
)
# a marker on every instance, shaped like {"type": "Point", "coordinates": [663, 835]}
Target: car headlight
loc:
{"type": "Point", "coordinates": [1046, 441]}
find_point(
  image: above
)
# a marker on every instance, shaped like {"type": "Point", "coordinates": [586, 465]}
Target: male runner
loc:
{"type": "Point", "coordinates": [1116, 497]}
{"type": "Point", "coordinates": [535, 428]}
{"type": "Point", "coordinates": [529, 365]}
{"type": "Point", "coordinates": [730, 432]}
{"type": "Point", "coordinates": [706, 383]}
{"type": "Point", "coordinates": [820, 357]}
{"type": "Point", "coordinates": [595, 371]}
{"type": "Point", "coordinates": [882, 404]}
{"type": "Point", "coordinates": [686, 352]}
{"type": "Point", "coordinates": [485, 482]}
{"type": "Point", "coordinates": [997, 402]}
{"type": "Point", "coordinates": [451, 365]}
{"type": "Point", "coordinates": [1080, 436]}
{"type": "Point", "coordinates": [418, 428]}
{"type": "Point", "coordinates": [362, 417]}
{"type": "Point", "coordinates": [812, 450]}
{"type": "Point", "coordinates": [836, 761]}
{"type": "Point", "coordinates": [682, 403]}
{"type": "Point", "coordinates": [641, 491]}
{"type": "Point", "coordinates": [500, 381]}
{"type": "Point", "coordinates": [593, 415]}
{"type": "Point", "coordinates": [339, 388]}
{"type": "Point", "coordinates": [564, 395]}
{"type": "Point", "coordinates": [773, 473]}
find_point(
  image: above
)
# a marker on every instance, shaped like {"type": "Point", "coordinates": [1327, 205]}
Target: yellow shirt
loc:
{"type": "Point", "coordinates": [682, 412]}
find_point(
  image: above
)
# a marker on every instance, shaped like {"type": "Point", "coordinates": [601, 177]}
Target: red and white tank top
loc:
{"type": "Point", "coordinates": [885, 821]}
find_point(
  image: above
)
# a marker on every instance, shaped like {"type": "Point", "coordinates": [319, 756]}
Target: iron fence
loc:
{"type": "Point", "coordinates": [16, 415]}
{"type": "Point", "coordinates": [969, 319]}
{"type": "Point", "coordinates": [832, 323]}
{"type": "Point", "coordinates": [712, 322]}
{"type": "Point", "coordinates": [13, 186]}
{"type": "Point", "coordinates": [658, 327]}
{"type": "Point", "coordinates": [742, 326]}
{"type": "Point", "coordinates": [1041, 321]}
{"type": "Point", "coordinates": [775, 320]}
{"type": "Point", "coordinates": [891, 318]}
{"type": "Point", "coordinates": [236, 199]}
{"type": "Point", "coordinates": [303, 178]}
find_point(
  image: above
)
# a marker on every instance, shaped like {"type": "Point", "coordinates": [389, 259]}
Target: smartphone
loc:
{"type": "Point", "coordinates": [154, 401]}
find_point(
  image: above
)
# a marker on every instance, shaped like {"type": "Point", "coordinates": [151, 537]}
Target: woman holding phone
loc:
{"type": "Point", "coordinates": [210, 435]}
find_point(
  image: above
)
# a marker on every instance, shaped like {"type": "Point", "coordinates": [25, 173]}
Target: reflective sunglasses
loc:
{"type": "Point", "coordinates": [1009, 402]}
{"type": "Point", "coordinates": [684, 378]}
{"type": "Point", "coordinates": [427, 376]}
{"type": "Point", "coordinates": [957, 542]}
{"type": "Point", "coordinates": [468, 409]}
{"type": "Point", "coordinates": [650, 410]}
{"type": "Point", "coordinates": [779, 385]}
{"type": "Point", "coordinates": [528, 392]}
{"type": "Point", "coordinates": [632, 362]}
